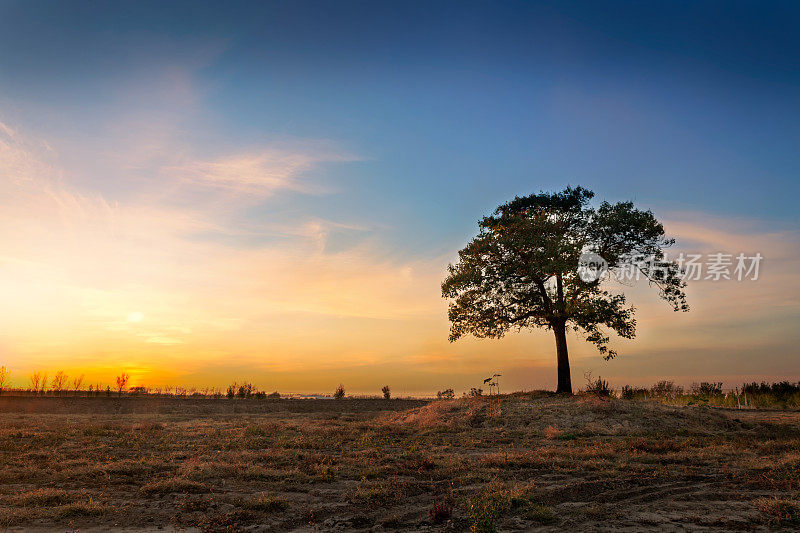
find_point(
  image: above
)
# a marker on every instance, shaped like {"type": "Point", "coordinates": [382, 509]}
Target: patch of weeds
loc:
{"type": "Point", "coordinates": [169, 486]}
{"type": "Point", "coordinates": [420, 464]}
{"type": "Point", "coordinates": [380, 492]}
{"type": "Point", "coordinates": [90, 508]}
{"type": "Point", "coordinates": [14, 517]}
{"type": "Point", "coordinates": [551, 432]}
{"type": "Point", "coordinates": [326, 474]}
{"type": "Point", "coordinates": [779, 511]}
{"type": "Point", "coordinates": [190, 506]}
{"type": "Point", "coordinates": [540, 514]}
{"type": "Point", "coordinates": [45, 497]}
{"type": "Point", "coordinates": [224, 522]}
{"type": "Point", "coordinates": [440, 512]}
{"type": "Point", "coordinates": [486, 508]}
{"type": "Point", "coordinates": [265, 503]}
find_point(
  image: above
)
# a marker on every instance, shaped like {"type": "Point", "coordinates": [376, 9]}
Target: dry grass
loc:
{"type": "Point", "coordinates": [516, 462]}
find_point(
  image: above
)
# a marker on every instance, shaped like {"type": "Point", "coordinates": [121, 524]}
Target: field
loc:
{"type": "Point", "coordinates": [520, 462]}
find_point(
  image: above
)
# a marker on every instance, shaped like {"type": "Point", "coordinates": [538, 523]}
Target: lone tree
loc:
{"type": "Point", "coordinates": [122, 380]}
{"type": "Point", "coordinates": [521, 271]}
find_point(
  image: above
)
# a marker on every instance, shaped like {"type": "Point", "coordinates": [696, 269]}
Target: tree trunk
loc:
{"type": "Point", "coordinates": [564, 379]}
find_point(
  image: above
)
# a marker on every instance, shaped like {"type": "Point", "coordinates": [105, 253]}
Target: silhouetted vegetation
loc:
{"type": "Point", "coordinates": [122, 380]}
{"type": "Point", "coordinates": [780, 395]}
{"type": "Point", "coordinates": [599, 387]}
{"type": "Point", "coordinates": [5, 375]}
{"type": "Point", "coordinates": [339, 393]}
{"type": "Point", "coordinates": [387, 393]}
{"type": "Point", "coordinates": [523, 261]}
{"type": "Point", "coordinates": [446, 394]}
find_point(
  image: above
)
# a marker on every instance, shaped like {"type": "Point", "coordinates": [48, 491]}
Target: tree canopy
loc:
{"type": "Point", "coordinates": [521, 270]}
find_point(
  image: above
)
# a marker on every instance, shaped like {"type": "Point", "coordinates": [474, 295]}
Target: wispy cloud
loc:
{"type": "Point", "coordinates": [260, 173]}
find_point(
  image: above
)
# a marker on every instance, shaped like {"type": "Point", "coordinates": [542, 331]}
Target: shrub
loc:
{"type": "Point", "coordinates": [339, 393]}
{"type": "Point", "coordinates": [387, 393]}
{"type": "Point", "coordinates": [474, 393]}
{"type": "Point", "coordinates": [446, 394]}
{"type": "Point", "coordinates": [440, 512]}
{"type": "Point", "coordinates": [598, 387]}
{"type": "Point", "coordinates": [485, 510]}
{"type": "Point", "coordinates": [783, 394]}
{"type": "Point", "coordinates": [632, 393]}
{"type": "Point", "coordinates": [231, 390]}
{"type": "Point", "coordinates": [274, 395]}
{"type": "Point", "coordinates": [245, 390]}
{"type": "Point", "coordinates": [666, 389]}
{"type": "Point", "coordinates": [707, 389]}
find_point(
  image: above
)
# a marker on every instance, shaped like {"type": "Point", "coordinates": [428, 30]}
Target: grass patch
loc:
{"type": "Point", "coordinates": [265, 503]}
{"type": "Point", "coordinates": [178, 485]}
{"type": "Point", "coordinates": [45, 497]}
{"type": "Point", "coordinates": [779, 511]}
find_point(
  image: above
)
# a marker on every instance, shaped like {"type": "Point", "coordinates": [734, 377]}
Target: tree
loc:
{"type": "Point", "coordinates": [122, 380]}
{"type": "Point", "coordinates": [35, 379]}
{"type": "Point", "coordinates": [521, 271]}
{"type": "Point", "coordinates": [447, 394]}
{"type": "Point", "coordinates": [76, 383]}
{"type": "Point", "coordinates": [387, 392]}
{"type": "Point", "coordinates": [5, 375]}
{"type": "Point", "coordinates": [59, 382]}
{"type": "Point", "coordinates": [339, 393]}
{"type": "Point", "coordinates": [38, 381]}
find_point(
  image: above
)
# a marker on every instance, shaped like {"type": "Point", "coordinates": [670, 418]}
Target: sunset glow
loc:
{"type": "Point", "coordinates": [198, 208]}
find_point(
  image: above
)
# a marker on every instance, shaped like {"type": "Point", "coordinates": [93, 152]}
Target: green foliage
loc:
{"type": "Point", "coordinates": [487, 507]}
{"type": "Point", "coordinates": [781, 394]}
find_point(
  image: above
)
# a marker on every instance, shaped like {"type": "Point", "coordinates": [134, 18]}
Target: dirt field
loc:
{"type": "Point", "coordinates": [523, 462]}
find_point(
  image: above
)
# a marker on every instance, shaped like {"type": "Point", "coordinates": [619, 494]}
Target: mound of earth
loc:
{"type": "Point", "coordinates": [562, 416]}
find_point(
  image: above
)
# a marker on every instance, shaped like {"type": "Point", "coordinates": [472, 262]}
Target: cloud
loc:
{"type": "Point", "coordinates": [294, 293]}
{"type": "Point", "coordinates": [261, 173]}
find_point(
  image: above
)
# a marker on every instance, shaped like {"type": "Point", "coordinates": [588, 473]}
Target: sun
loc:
{"type": "Point", "coordinates": [135, 316]}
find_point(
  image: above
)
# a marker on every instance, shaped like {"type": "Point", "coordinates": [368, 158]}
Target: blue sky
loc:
{"type": "Point", "coordinates": [401, 123]}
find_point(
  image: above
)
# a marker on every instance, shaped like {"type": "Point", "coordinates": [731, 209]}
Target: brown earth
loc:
{"type": "Point", "coordinates": [519, 462]}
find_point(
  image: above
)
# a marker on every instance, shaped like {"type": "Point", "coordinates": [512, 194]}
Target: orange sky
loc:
{"type": "Point", "coordinates": [96, 287]}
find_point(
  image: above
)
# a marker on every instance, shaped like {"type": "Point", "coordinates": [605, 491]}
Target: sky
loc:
{"type": "Point", "coordinates": [197, 193]}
